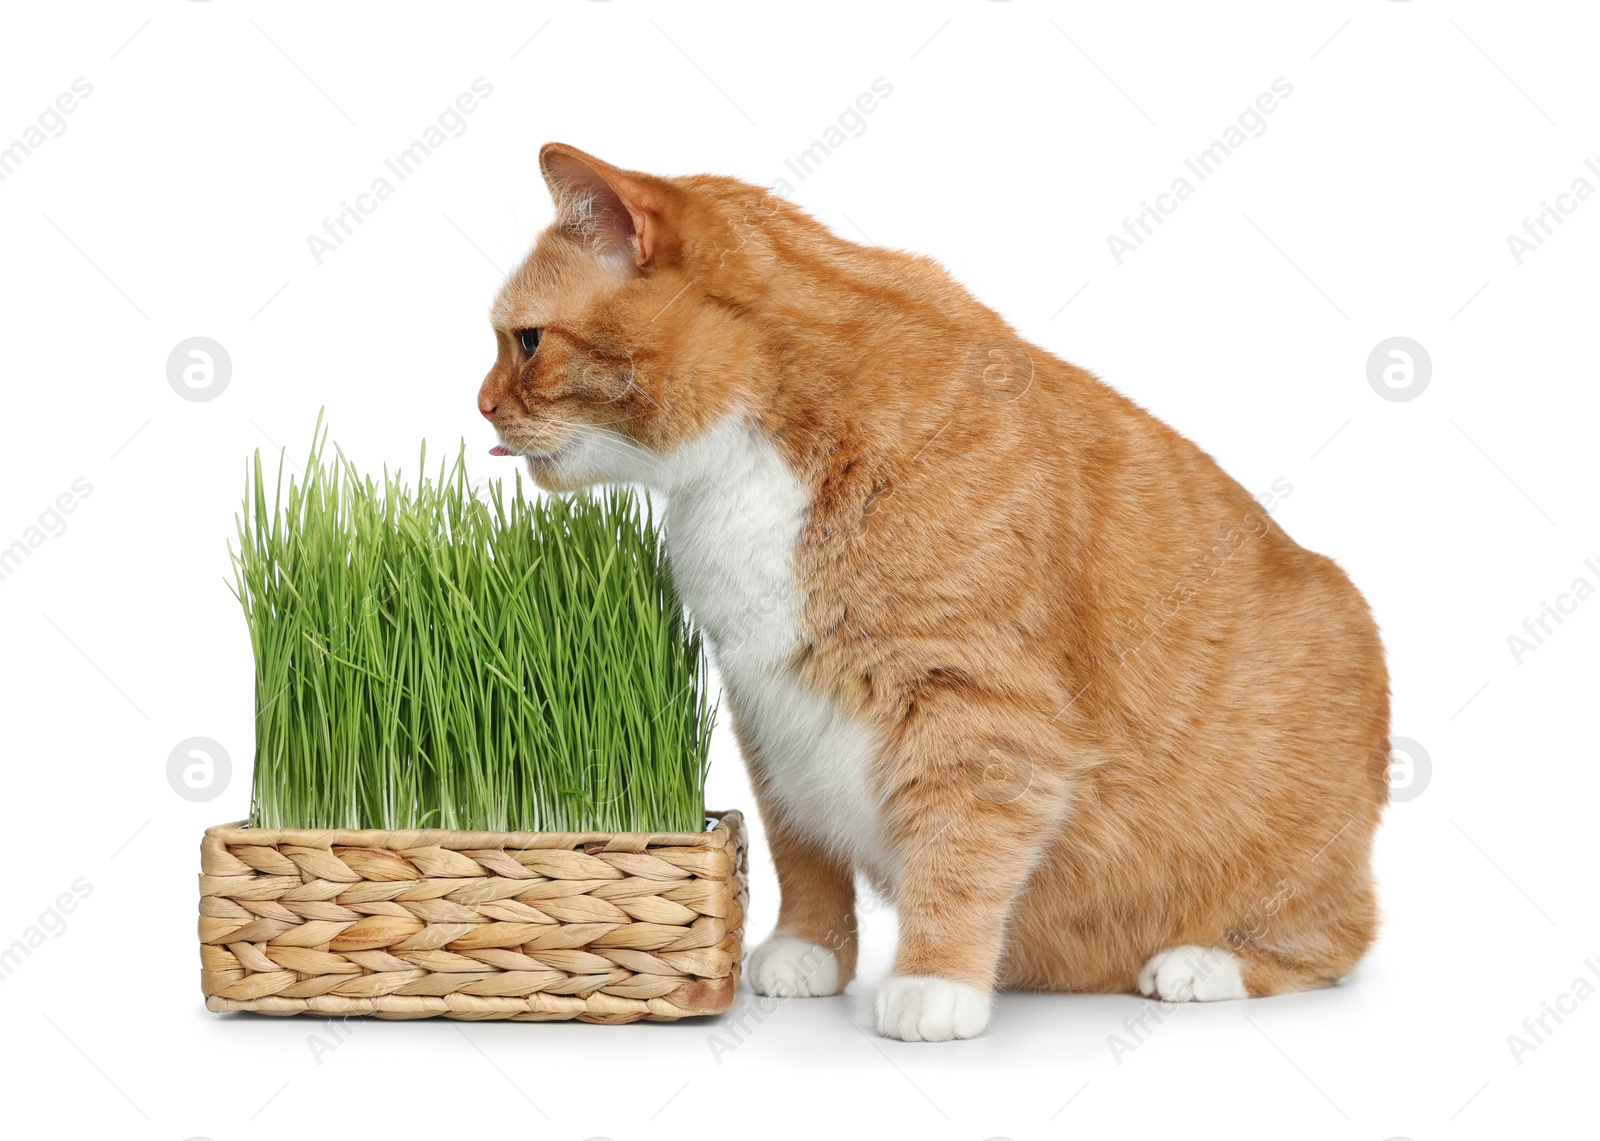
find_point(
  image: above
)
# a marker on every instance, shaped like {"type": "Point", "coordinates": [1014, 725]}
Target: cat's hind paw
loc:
{"type": "Point", "coordinates": [786, 967]}
{"type": "Point", "coordinates": [922, 1008]}
{"type": "Point", "coordinates": [1192, 974]}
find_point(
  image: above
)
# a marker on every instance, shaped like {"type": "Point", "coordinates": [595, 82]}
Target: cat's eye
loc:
{"type": "Point", "coordinates": [530, 340]}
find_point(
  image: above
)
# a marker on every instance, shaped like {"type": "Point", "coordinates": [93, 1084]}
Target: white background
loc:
{"type": "Point", "coordinates": [1018, 136]}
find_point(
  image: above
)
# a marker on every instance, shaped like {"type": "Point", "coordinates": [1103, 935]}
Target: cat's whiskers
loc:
{"type": "Point", "coordinates": [626, 450]}
{"type": "Point", "coordinates": [589, 424]}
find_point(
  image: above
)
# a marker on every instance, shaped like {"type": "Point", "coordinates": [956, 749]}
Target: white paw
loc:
{"type": "Point", "coordinates": [921, 1008]}
{"type": "Point", "coordinates": [1192, 974]}
{"type": "Point", "coordinates": [786, 967]}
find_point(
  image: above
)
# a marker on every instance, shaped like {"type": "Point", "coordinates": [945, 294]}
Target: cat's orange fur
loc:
{"type": "Point", "coordinates": [1120, 709]}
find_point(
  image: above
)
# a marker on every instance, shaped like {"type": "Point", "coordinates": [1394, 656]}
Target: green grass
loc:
{"type": "Point", "coordinates": [426, 657]}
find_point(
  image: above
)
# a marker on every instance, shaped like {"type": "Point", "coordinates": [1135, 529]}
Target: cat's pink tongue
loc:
{"type": "Point", "coordinates": [499, 450]}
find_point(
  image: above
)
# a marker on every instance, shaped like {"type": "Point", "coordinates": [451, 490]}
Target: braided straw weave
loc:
{"type": "Point", "coordinates": [535, 926]}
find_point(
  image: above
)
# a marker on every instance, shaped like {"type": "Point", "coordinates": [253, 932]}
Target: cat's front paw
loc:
{"type": "Point", "coordinates": [786, 967]}
{"type": "Point", "coordinates": [922, 1008]}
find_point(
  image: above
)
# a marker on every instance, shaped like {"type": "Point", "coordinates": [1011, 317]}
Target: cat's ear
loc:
{"type": "Point", "coordinates": [613, 208]}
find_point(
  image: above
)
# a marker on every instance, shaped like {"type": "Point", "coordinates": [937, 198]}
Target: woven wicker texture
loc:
{"type": "Point", "coordinates": [535, 926]}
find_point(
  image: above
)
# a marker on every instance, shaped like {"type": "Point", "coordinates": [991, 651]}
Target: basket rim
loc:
{"type": "Point", "coordinates": [726, 824]}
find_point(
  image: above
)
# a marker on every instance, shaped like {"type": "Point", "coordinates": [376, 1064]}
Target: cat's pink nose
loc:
{"type": "Point", "coordinates": [487, 409]}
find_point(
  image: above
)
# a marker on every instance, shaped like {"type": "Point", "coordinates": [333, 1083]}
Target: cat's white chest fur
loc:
{"type": "Point", "coordinates": [734, 515]}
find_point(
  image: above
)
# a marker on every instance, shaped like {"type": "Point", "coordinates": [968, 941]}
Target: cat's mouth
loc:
{"type": "Point", "coordinates": [538, 460]}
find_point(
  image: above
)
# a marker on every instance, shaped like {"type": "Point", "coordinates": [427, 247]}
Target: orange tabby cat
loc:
{"type": "Point", "coordinates": [993, 638]}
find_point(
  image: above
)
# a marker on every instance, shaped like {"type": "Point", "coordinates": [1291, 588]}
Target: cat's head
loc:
{"type": "Point", "coordinates": [623, 335]}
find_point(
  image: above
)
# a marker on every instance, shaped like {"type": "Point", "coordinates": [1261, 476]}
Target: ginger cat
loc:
{"type": "Point", "coordinates": [993, 638]}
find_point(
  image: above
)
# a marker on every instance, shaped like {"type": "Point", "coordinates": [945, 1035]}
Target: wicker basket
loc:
{"type": "Point", "coordinates": [534, 926]}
